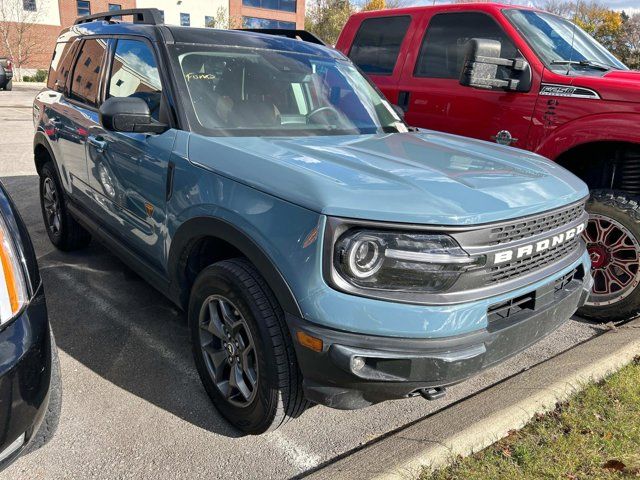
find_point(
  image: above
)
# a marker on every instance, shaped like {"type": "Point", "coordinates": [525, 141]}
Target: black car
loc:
{"type": "Point", "coordinates": [6, 74]}
{"type": "Point", "coordinates": [30, 389]}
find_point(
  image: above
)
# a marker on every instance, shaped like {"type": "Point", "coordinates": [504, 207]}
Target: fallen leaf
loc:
{"type": "Point", "coordinates": [615, 465]}
{"type": "Point", "coordinates": [506, 451]}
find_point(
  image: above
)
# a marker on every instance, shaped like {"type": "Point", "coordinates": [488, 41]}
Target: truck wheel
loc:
{"type": "Point", "coordinates": [64, 231]}
{"type": "Point", "coordinates": [613, 242]}
{"type": "Point", "coordinates": [242, 348]}
{"type": "Point", "coordinates": [9, 85]}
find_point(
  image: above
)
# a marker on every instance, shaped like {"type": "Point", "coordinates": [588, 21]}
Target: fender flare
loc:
{"type": "Point", "coordinates": [40, 139]}
{"type": "Point", "coordinates": [200, 227]}
{"type": "Point", "coordinates": [609, 128]}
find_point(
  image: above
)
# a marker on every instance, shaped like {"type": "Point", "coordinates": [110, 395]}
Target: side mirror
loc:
{"type": "Point", "coordinates": [128, 114]}
{"type": "Point", "coordinates": [483, 68]}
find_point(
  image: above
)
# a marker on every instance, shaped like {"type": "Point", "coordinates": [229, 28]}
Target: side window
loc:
{"type": "Point", "coordinates": [134, 73]}
{"type": "Point", "coordinates": [61, 65]}
{"type": "Point", "coordinates": [87, 71]}
{"type": "Point", "coordinates": [377, 44]}
{"type": "Point", "coordinates": [444, 45]}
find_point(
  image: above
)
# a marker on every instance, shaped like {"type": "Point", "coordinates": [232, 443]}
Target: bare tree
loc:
{"type": "Point", "coordinates": [18, 19]}
{"type": "Point", "coordinates": [223, 20]}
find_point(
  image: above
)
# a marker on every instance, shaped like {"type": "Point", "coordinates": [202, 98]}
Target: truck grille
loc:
{"type": "Point", "coordinates": [517, 268]}
{"type": "Point", "coordinates": [534, 226]}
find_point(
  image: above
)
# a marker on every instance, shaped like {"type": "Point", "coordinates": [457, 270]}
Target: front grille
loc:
{"type": "Point", "coordinates": [534, 226]}
{"type": "Point", "coordinates": [509, 308]}
{"type": "Point", "coordinates": [506, 271]}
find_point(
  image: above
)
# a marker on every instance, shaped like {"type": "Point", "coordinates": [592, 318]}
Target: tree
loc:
{"type": "Point", "coordinates": [325, 18]}
{"type": "Point", "coordinates": [223, 20]}
{"type": "Point", "coordinates": [374, 5]}
{"type": "Point", "coordinates": [18, 19]}
{"type": "Point", "coordinates": [631, 39]}
{"type": "Point", "coordinates": [601, 23]}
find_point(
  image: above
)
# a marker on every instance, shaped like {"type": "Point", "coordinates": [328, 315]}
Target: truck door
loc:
{"type": "Point", "coordinates": [434, 97]}
{"type": "Point", "coordinates": [380, 45]}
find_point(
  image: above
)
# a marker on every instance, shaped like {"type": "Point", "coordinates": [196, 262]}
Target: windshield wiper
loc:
{"type": "Point", "coordinates": [584, 63]}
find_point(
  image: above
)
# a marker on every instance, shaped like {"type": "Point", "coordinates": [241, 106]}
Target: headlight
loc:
{"type": "Point", "coordinates": [401, 261]}
{"type": "Point", "coordinates": [13, 284]}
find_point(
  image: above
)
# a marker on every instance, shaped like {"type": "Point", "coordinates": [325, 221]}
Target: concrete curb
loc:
{"type": "Point", "coordinates": [475, 423]}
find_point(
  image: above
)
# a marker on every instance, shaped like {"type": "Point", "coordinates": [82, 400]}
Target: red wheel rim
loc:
{"type": "Point", "coordinates": [615, 260]}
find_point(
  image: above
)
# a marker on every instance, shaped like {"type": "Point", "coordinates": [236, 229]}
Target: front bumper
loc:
{"type": "Point", "coordinates": [401, 367]}
{"type": "Point", "coordinates": [25, 374]}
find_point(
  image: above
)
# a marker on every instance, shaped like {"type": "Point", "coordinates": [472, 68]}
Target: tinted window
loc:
{"type": "Point", "coordinates": [135, 74]}
{"type": "Point", "coordinates": [285, 5]}
{"type": "Point", "coordinates": [377, 44]}
{"type": "Point", "coordinates": [87, 71]}
{"type": "Point", "coordinates": [255, 22]}
{"type": "Point", "coordinates": [60, 66]}
{"type": "Point", "coordinates": [83, 7]}
{"type": "Point", "coordinates": [444, 46]}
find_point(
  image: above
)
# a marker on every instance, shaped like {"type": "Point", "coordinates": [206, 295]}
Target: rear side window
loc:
{"type": "Point", "coordinates": [135, 74]}
{"type": "Point", "coordinates": [87, 72]}
{"type": "Point", "coordinates": [60, 65]}
{"type": "Point", "coordinates": [444, 45]}
{"type": "Point", "coordinates": [377, 44]}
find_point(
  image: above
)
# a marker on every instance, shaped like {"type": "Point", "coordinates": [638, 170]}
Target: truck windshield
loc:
{"type": "Point", "coordinates": [254, 92]}
{"type": "Point", "coordinates": [560, 44]}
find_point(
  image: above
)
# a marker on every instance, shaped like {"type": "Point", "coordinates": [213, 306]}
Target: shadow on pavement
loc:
{"type": "Point", "coordinates": [110, 320]}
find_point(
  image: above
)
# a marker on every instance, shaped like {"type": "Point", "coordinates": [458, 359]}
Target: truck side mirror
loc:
{"type": "Point", "coordinates": [129, 114]}
{"type": "Point", "coordinates": [483, 68]}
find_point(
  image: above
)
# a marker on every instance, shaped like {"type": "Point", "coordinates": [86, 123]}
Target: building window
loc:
{"type": "Point", "coordinates": [162, 15]}
{"type": "Point", "coordinates": [255, 22]}
{"type": "Point", "coordinates": [283, 5]}
{"type": "Point", "coordinates": [83, 7]}
{"type": "Point", "coordinates": [185, 19]}
{"type": "Point", "coordinates": [113, 7]}
{"type": "Point", "coordinates": [29, 5]}
{"type": "Point", "coordinates": [209, 21]}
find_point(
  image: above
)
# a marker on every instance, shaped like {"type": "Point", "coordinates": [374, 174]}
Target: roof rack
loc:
{"type": "Point", "coordinates": [303, 35]}
{"type": "Point", "coordinates": [146, 16]}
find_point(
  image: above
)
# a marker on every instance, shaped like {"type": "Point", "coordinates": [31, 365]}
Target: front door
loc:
{"type": "Point", "coordinates": [128, 171]}
{"type": "Point", "coordinates": [437, 101]}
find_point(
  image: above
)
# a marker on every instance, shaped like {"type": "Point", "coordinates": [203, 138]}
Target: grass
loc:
{"type": "Point", "coordinates": [594, 435]}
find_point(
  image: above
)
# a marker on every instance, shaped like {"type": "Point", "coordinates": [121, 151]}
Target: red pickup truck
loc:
{"type": "Point", "coordinates": [523, 77]}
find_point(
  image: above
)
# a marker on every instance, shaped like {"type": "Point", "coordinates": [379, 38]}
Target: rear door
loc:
{"type": "Point", "coordinates": [128, 171]}
{"type": "Point", "coordinates": [435, 98]}
{"type": "Point", "coordinates": [379, 48]}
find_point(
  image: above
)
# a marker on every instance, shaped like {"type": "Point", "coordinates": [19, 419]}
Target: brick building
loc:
{"type": "Point", "coordinates": [51, 16]}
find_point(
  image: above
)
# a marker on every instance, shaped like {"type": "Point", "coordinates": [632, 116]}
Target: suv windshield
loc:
{"type": "Point", "coordinates": [252, 92]}
{"type": "Point", "coordinates": [560, 44]}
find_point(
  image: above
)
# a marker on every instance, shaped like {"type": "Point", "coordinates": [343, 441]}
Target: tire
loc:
{"type": "Point", "coordinates": [613, 241]}
{"type": "Point", "coordinates": [9, 85]}
{"type": "Point", "coordinates": [277, 393]}
{"type": "Point", "coordinates": [63, 230]}
{"type": "Point", "coordinates": [51, 419]}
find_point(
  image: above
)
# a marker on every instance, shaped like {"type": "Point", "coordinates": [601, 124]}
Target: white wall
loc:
{"type": "Point", "coordinates": [47, 12]}
{"type": "Point", "coordinates": [197, 8]}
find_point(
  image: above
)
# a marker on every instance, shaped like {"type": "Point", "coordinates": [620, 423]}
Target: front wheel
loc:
{"type": "Point", "coordinates": [613, 241]}
{"type": "Point", "coordinates": [242, 348]}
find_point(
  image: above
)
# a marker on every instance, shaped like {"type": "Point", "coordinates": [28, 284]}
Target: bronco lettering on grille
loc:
{"type": "Point", "coordinates": [537, 247]}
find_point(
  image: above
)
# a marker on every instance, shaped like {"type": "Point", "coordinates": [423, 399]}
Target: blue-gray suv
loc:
{"type": "Point", "coordinates": [323, 251]}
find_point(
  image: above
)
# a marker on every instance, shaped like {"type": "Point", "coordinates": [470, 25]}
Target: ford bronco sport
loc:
{"type": "Point", "coordinates": [532, 80]}
{"type": "Point", "coordinates": [322, 252]}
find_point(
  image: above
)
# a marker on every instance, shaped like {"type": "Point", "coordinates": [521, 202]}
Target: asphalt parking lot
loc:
{"type": "Point", "coordinates": [133, 405]}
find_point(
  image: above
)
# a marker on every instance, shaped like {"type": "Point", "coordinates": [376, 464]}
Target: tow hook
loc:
{"type": "Point", "coordinates": [433, 393]}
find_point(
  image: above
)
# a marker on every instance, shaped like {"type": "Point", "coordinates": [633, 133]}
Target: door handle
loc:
{"type": "Point", "coordinates": [98, 142]}
{"type": "Point", "coordinates": [403, 100]}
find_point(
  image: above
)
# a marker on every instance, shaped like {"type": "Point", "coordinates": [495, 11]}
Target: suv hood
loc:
{"type": "Point", "coordinates": [428, 177]}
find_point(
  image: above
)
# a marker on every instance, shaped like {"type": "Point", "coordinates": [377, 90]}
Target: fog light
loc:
{"type": "Point", "coordinates": [357, 363]}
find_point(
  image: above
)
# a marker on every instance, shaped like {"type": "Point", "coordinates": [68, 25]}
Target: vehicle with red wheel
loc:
{"type": "Point", "coordinates": [523, 77]}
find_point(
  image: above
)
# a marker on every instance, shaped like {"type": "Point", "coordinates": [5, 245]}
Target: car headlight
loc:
{"type": "Point", "coordinates": [401, 261]}
{"type": "Point", "coordinates": [13, 283]}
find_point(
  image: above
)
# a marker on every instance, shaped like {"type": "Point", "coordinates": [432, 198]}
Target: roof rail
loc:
{"type": "Point", "coordinates": [303, 35]}
{"type": "Point", "coordinates": [146, 16]}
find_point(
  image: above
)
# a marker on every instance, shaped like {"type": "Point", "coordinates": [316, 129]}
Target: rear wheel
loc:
{"type": "Point", "coordinates": [613, 242]}
{"type": "Point", "coordinates": [242, 348]}
{"type": "Point", "coordinates": [63, 230]}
